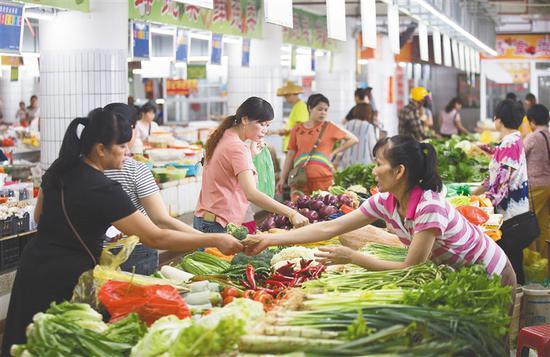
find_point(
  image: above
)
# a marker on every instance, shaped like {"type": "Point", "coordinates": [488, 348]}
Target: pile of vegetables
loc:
{"type": "Point", "coordinates": [356, 175]}
{"type": "Point", "coordinates": [200, 263]}
{"type": "Point", "coordinates": [455, 165]}
{"type": "Point", "coordinates": [320, 207]}
{"type": "Point", "coordinates": [239, 232]}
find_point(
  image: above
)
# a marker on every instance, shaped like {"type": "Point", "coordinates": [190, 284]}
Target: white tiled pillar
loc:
{"type": "Point", "coordinates": [83, 66]}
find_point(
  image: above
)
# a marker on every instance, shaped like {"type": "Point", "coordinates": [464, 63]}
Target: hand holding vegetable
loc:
{"type": "Point", "coordinates": [227, 244]}
{"type": "Point", "coordinates": [256, 243]}
{"type": "Point", "coordinates": [336, 255]}
{"type": "Point", "coordinates": [298, 220]}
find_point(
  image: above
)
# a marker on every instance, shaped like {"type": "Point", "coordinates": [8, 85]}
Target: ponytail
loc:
{"type": "Point", "coordinates": [419, 160]}
{"type": "Point", "coordinates": [99, 127]}
{"type": "Point", "coordinates": [254, 109]}
{"type": "Point", "coordinates": [216, 136]}
{"type": "Point", "coordinates": [430, 179]}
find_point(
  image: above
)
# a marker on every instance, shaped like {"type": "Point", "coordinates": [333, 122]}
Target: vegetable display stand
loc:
{"type": "Point", "coordinates": [22, 224]}
{"type": "Point", "coordinates": [9, 253]}
{"type": "Point", "coordinates": [7, 227]}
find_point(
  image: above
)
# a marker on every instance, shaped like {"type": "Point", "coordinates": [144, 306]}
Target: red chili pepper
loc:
{"type": "Point", "coordinates": [250, 276]}
{"type": "Point", "coordinates": [287, 269]}
{"type": "Point", "coordinates": [246, 285]}
{"type": "Point", "coordinates": [275, 283]}
{"type": "Point", "coordinates": [281, 277]}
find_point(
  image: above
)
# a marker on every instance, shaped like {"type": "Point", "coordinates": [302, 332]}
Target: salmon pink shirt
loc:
{"type": "Point", "coordinates": [221, 193]}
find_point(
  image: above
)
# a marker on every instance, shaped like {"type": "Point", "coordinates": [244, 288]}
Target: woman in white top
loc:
{"type": "Point", "coordinates": [145, 125]}
{"type": "Point", "coordinates": [449, 119]}
{"type": "Point", "coordinates": [361, 126]}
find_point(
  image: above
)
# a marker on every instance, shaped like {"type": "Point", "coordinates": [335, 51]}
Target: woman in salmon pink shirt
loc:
{"type": "Point", "coordinates": [228, 180]}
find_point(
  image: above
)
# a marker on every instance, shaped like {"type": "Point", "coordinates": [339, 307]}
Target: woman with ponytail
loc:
{"type": "Point", "coordinates": [411, 205]}
{"type": "Point", "coordinates": [228, 180]}
{"type": "Point", "coordinates": [75, 206]}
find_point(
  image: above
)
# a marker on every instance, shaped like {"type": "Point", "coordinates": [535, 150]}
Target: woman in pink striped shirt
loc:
{"type": "Point", "coordinates": [410, 203]}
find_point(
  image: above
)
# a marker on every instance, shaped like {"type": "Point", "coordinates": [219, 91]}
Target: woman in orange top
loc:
{"type": "Point", "coordinates": [319, 168]}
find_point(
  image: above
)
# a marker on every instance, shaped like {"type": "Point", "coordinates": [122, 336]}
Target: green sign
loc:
{"type": "Point", "coordinates": [309, 30]}
{"type": "Point", "coordinates": [14, 74]}
{"type": "Point", "coordinates": [196, 71]}
{"type": "Point", "coordinates": [229, 17]}
{"type": "Point", "coordinates": [78, 5]}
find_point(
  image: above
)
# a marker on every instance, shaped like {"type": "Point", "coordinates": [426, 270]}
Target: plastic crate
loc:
{"type": "Point", "coordinates": [9, 253]}
{"type": "Point", "coordinates": [22, 224]}
{"type": "Point", "coordinates": [7, 227]}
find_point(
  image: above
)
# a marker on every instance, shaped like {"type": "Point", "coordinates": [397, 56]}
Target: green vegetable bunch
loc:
{"type": "Point", "coordinates": [356, 174]}
{"type": "Point", "coordinates": [239, 232]}
{"type": "Point", "coordinates": [200, 263]}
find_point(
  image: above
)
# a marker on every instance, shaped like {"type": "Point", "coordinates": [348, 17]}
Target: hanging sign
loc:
{"type": "Point", "coordinates": [522, 46]}
{"type": "Point", "coordinates": [181, 45]}
{"type": "Point", "coordinates": [216, 49]}
{"type": "Point", "coordinates": [423, 42]}
{"type": "Point", "coordinates": [207, 4]}
{"type": "Point", "coordinates": [141, 36]}
{"type": "Point", "coordinates": [393, 28]}
{"type": "Point", "coordinates": [336, 19]}
{"type": "Point", "coordinates": [11, 27]}
{"type": "Point", "coordinates": [447, 51]}
{"type": "Point", "coordinates": [308, 30]}
{"type": "Point", "coordinates": [196, 71]}
{"type": "Point", "coordinates": [229, 17]}
{"type": "Point", "coordinates": [368, 23]}
{"type": "Point", "coordinates": [456, 55]}
{"type": "Point", "coordinates": [245, 59]}
{"type": "Point", "coordinates": [77, 5]}
{"type": "Point", "coordinates": [436, 39]}
{"type": "Point", "coordinates": [278, 12]}
{"type": "Point", "coordinates": [181, 86]}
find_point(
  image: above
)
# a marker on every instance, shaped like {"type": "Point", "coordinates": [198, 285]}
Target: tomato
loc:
{"type": "Point", "coordinates": [229, 291]}
{"type": "Point", "coordinates": [265, 299]}
{"type": "Point", "coordinates": [249, 294]}
{"type": "Point", "coordinates": [228, 299]}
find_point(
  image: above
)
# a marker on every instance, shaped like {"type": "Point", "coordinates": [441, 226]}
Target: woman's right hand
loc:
{"type": "Point", "coordinates": [298, 220]}
{"type": "Point", "coordinates": [280, 186]}
{"type": "Point", "coordinates": [256, 243]}
{"type": "Point", "coordinates": [227, 244]}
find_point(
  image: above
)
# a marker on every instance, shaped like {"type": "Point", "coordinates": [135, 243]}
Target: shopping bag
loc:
{"type": "Point", "coordinates": [150, 302]}
{"type": "Point", "coordinates": [473, 214]}
{"type": "Point", "coordinates": [266, 173]}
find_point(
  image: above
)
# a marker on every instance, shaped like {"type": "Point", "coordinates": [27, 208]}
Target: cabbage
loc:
{"type": "Point", "coordinates": [160, 337]}
{"type": "Point", "coordinates": [81, 314]}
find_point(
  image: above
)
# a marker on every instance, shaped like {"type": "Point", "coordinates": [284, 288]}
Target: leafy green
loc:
{"type": "Point", "coordinates": [356, 174]}
{"type": "Point", "coordinates": [128, 330]}
{"type": "Point", "coordinates": [55, 336]}
{"type": "Point", "coordinates": [200, 263]}
{"type": "Point", "coordinates": [239, 232]}
{"type": "Point", "coordinates": [81, 314]}
{"type": "Point", "coordinates": [160, 337]}
{"type": "Point", "coordinates": [200, 340]}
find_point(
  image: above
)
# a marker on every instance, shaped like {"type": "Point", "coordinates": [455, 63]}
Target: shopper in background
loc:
{"type": "Point", "coordinates": [524, 128]}
{"type": "Point", "coordinates": [75, 206]}
{"type": "Point", "coordinates": [290, 91]}
{"type": "Point", "coordinates": [228, 179]}
{"type": "Point", "coordinates": [530, 101]}
{"type": "Point", "coordinates": [411, 204]}
{"type": "Point", "coordinates": [33, 114]}
{"type": "Point", "coordinates": [449, 119]}
{"type": "Point", "coordinates": [506, 185]}
{"type": "Point", "coordinates": [360, 96]}
{"type": "Point", "coordinates": [537, 151]}
{"type": "Point", "coordinates": [410, 122]}
{"type": "Point", "coordinates": [146, 125]}
{"type": "Point", "coordinates": [138, 183]}
{"type": "Point", "coordinates": [363, 128]}
{"type": "Point", "coordinates": [21, 114]}
{"type": "Point", "coordinates": [426, 115]}
{"type": "Point", "coordinates": [317, 164]}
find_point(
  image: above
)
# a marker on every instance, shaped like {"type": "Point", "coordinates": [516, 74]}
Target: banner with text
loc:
{"type": "Point", "coordinates": [11, 27]}
{"type": "Point", "coordinates": [309, 30]}
{"type": "Point", "coordinates": [78, 5]}
{"type": "Point", "coordinates": [229, 17]}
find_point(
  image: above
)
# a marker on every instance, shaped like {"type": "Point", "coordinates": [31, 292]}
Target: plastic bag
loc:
{"type": "Point", "coordinates": [473, 214]}
{"type": "Point", "coordinates": [266, 172]}
{"type": "Point", "coordinates": [149, 302]}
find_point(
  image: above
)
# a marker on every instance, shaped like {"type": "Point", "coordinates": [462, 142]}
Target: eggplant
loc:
{"type": "Point", "coordinates": [330, 200]}
{"type": "Point", "coordinates": [280, 221]}
{"type": "Point", "coordinates": [345, 199]}
{"type": "Point", "coordinates": [313, 216]}
{"type": "Point", "coordinates": [290, 204]}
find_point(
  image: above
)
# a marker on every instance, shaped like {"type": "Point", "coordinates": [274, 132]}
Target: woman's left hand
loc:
{"type": "Point", "coordinates": [335, 255]}
{"type": "Point", "coordinates": [298, 220]}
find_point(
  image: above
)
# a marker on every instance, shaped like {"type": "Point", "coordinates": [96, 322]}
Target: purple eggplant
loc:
{"type": "Point", "coordinates": [345, 200]}
{"type": "Point", "coordinates": [268, 223]}
{"type": "Point", "coordinates": [316, 205]}
{"type": "Point", "coordinates": [302, 201]}
{"type": "Point", "coordinates": [327, 211]}
{"type": "Point", "coordinates": [290, 204]}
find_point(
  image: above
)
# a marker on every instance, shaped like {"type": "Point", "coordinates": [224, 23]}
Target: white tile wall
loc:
{"type": "Point", "coordinates": [74, 82]}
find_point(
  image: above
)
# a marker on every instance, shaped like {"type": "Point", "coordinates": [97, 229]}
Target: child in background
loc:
{"type": "Point", "coordinates": [21, 114]}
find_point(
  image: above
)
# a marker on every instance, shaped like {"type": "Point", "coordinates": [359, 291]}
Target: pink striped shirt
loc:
{"type": "Point", "coordinates": [458, 243]}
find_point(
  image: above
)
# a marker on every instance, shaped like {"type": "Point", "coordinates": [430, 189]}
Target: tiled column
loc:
{"type": "Point", "coordinates": [83, 66]}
